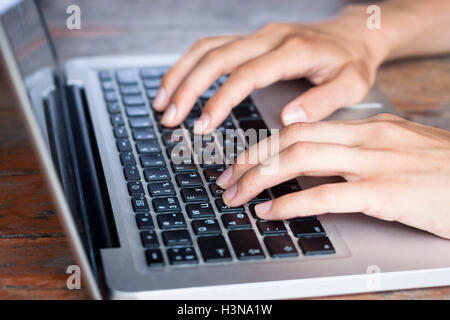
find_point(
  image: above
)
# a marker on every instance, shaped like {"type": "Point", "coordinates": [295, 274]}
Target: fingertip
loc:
{"type": "Point", "coordinates": [292, 114]}
{"type": "Point", "coordinates": [263, 209]}
{"type": "Point", "coordinates": [201, 125]}
{"type": "Point", "coordinates": [169, 115]}
{"type": "Point", "coordinates": [160, 101]}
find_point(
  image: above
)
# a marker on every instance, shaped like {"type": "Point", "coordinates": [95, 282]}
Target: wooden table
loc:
{"type": "Point", "coordinates": [33, 250]}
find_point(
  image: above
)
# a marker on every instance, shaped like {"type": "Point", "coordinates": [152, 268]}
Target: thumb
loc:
{"type": "Point", "coordinates": [348, 87]}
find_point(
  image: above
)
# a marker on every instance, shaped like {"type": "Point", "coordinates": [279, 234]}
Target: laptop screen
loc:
{"type": "Point", "coordinates": [26, 36]}
{"type": "Point", "coordinates": [32, 63]}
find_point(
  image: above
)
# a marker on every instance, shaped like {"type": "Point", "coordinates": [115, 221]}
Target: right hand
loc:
{"type": "Point", "coordinates": [333, 55]}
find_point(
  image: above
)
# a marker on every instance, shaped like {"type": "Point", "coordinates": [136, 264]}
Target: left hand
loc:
{"type": "Point", "coordinates": [395, 169]}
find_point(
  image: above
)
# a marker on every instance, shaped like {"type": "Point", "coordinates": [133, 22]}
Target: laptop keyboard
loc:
{"type": "Point", "coordinates": [175, 199]}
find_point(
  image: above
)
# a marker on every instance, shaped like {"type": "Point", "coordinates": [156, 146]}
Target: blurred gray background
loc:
{"type": "Point", "coordinates": [157, 26]}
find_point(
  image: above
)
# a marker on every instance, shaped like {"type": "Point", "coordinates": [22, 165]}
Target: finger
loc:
{"type": "Point", "coordinates": [175, 75]}
{"type": "Point", "coordinates": [257, 73]}
{"type": "Point", "coordinates": [313, 159]}
{"type": "Point", "coordinates": [347, 88]}
{"type": "Point", "coordinates": [334, 132]}
{"type": "Point", "coordinates": [328, 198]}
{"type": "Point", "coordinates": [211, 66]}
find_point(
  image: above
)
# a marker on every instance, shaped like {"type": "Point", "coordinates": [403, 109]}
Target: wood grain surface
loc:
{"type": "Point", "coordinates": [33, 251]}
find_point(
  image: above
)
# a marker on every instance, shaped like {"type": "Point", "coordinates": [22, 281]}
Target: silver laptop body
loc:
{"type": "Point", "coordinates": [370, 255]}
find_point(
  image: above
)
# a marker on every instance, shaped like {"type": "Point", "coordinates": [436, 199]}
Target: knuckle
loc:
{"type": "Point", "coordinates": [296, 41]}
{"type": "Point", "coordinates": [242, 72]}
{"type": "Point", "coordinates": [203, 43]}
{"type": "Point", "coordinates": [323, 194]}
{"type": "Point", "coordinates": [386, 117]}
{"type": "Point", "coordinates": [272, 26]}
{"type": "Point", "coordinates": [212, 55]}
{"type": "Point", "coordinates": [295, 129]}
{"type": "Point", "coordinates": [299, 148]}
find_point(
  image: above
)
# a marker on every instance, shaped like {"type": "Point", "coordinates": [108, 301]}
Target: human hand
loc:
{"type": "Point", "coordinates": [396, 170]}
{"type": "Point", "coordinates": [332, 55]}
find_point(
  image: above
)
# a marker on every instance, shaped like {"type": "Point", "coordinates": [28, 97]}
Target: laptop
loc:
{"type": "Point", "coordinates": [146, 222]}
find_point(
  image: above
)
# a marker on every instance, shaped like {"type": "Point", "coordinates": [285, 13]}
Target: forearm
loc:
{"type": "Point", "coordinates": [408, 28]}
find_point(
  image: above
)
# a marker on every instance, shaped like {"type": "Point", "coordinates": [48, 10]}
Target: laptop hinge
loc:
{"type": "Point", "coordinates": [75, 153]}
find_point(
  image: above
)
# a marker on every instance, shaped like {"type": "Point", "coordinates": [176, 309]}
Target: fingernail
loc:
{"type": "Point", "coordinates": [229, 193]}
{"type": "Point", "coordinates": [169, 115]}
{"type": "Point", "coordinates": [294, 114]}
{"type": "Point", "coordinates": [224, 177]}
{"type": "Point", "coordinates": [201, 124]}
{"type": "Point", "coordinates": [160, 98]}
{"type": "Point", "coordinates": [263, 208]}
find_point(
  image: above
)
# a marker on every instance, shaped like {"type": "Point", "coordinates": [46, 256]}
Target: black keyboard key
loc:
{"type": "Point", "coordinates": [179, 154]}
{"type": "Point", "coordinates": [271, 227]}
{"type": "Point", "coordinates": [148, 146]}
{"type": "Point", "coordinates": [139, 204]}
{"type": "Point", "coordinates": [200, 211]}
{"type": "Point", "coordinates": [136, 100]}
{"type": "Point", "coordinates": [156, 174]}
{"type": "Point", "coordinates": [161, 189]}
{"type": "Point", "coordinates": [123, 145]}
{"type": "Point", "coordinates": [110, 96]}
{"type": "Point", "coordinates": [127, 158]}
{"type": "Point", "coordinates": [117, 119]}
{"type": "Point", "coordinates": [107, 86]}
{"type": "Point", "coordinates": [194, 195]}
{"type": "Point", "coordinates": [246, 244]}
{"type": "Point", "coordinates": [183, 168]}
{"type": "Point", "coordinates": [170, 204]}
{"type": "Point", "coordinates": [130, 90]}
{"type": "Point", "coordinates": [144, 134]}
{"type": "Point", "coordinates": [153, 72]}
{"type": "Point", "coordinates": [179, 256]}
{"type": "Point", "coordinates": [170, 139]}
{"type": "Point", "coordinates": [135, 188]}
{"type": "Point", "coordinates": [189, 180]}
{"type": "Point", "coordinates": [154, 258]}
{"type": "Point", "coordinates": [246, 113]}
{"type": "Point", "coordinates": [212, 174]}
{"type": "Point", "coordinates": [236, 221]}
{"type": "Point", "coordinates": [211, 161]}
{"type": "Point", "coordinates": [216, 191]}
{"type": "Point", "coordinates": [307, 228]}
{"type": "Point", "coordinates": [316, 246]}
{"type": "Point", "coordinates": [171, 220]}
{"type": "Point", "coordinates": [285, 188]}
{"type": "Point", "coordinates": [140, 122]}
{"type": "Point", "coordinates": [223, 208]}
{"type": "Point", "coordinates": [131, 173]}
{"type": "Point", "coordinates": [151, 93]}
{"type": "Point", "coordinates": [251, 208]}
{"type": "Point", "coordinates": [153, 160]}
{"type": "Point", "coordinates": [206, 227]}
{"type": "Point", "coordinates": [152, 83]}
{"type": "Point", "coordinates": [120, 132]}
{"type": "Point", "coordinates": [144, 221]}
{"type": "Point", "coordinates": [190, 122]}
{"type": "Point", "coordinates": [259, 126]}
{"type": "Point", "coordinates": [214, 249]}
{"type": "Point", "coordinates": [149, 239]}
{"type": "Point", "coordinates": [177, 238]}
{"type": "Point", "coordinates": [104, 75]}
{"type": "Point", "coordinates": [262, 197]}
{"type": "Point", "coordinates": [127, 76]}
{"type": "Point", "coordinates": [280, 246]}
{"type": "Point", "coordinates": [253, 124]}
{"type": "Point", "coordinates": [136, 111]}
{"type": "Point", "coordinates": [113, 107]}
